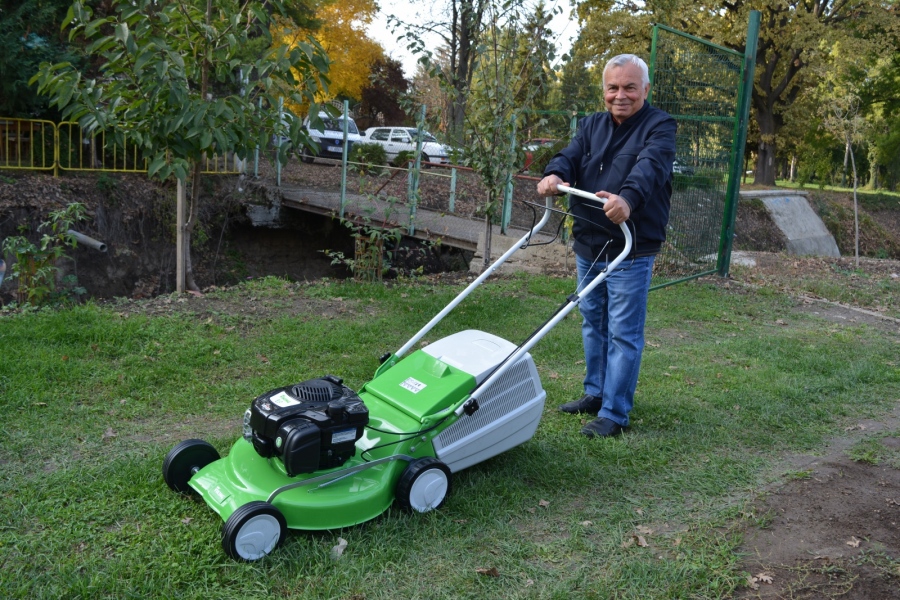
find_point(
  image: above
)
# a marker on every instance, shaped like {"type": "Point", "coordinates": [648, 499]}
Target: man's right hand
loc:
{"type": "Point", "coordinates": [547, 185]}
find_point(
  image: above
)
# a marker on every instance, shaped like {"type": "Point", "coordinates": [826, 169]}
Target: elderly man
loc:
{"type": "Point", "coordinates": [625, 155]}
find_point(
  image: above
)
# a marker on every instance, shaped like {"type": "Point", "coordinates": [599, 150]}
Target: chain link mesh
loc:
{"type": "Point", "coordinates": [699, 84]}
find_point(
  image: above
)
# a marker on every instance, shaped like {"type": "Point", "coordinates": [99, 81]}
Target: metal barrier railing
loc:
{"type": "Point", "coordinates": [27, 144]}
{"type": "Point", "coordinates": [92, 151]}
{"type": "Point", "coordinates": [40, 145]}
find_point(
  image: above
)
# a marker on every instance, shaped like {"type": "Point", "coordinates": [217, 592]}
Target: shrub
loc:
{"type": "Point", "coordinates": [542, 156]}
{"type": "Point", "coordinates": [370, 157]}
{"type": "Point", "coordinates": [403, 158]}
{"type": "Point", "coordinates": [35, 266]}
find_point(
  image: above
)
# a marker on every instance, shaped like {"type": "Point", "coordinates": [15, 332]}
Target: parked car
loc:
{"type": "Point", "coordinates": [330, 137]}
{"type": "Point", "coordinates": [681, 169]}
{"type": "Point", "coordinates": [535, 146]}
{"type": "Point", "coordinates": [403, 139]}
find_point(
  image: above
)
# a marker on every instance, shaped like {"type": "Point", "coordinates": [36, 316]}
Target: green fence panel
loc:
{"type": "Point", "coordinates": [700, 85]}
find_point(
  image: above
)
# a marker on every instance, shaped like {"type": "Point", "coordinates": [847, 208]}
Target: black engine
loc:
{"type": "Point", "coordinates": [310, 426]}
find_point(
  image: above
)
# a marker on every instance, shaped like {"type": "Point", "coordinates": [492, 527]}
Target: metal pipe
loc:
{"type": "Point", "coordinates": [87, 241]}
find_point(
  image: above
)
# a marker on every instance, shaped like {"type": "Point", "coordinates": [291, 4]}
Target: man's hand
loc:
{"type": "Point", "coordinates": [547, 185]}
{"type": "Point", "coordinates": [616, 208]}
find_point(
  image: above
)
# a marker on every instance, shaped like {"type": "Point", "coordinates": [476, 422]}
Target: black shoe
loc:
{"type": "Point", "coordinates": [586, 405]}
{"type": "Point", "coordinates": [602, 427]}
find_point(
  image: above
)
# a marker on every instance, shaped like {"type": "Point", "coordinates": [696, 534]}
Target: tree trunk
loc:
{"type": "Point", "coordinates": [179, 237]}
{"type": "Point", "coordinates": [765, 156]}
{"type": "Point", "coordinates": [193, 216]}
{"type": "Point", "coordinates": [487, 241]}
{"type": "Point", "coordinates": [855, 203]}
{"type": "Point", "coordinates": [465, 30]}
{"type": "Point", "coordinates": [846, 160]}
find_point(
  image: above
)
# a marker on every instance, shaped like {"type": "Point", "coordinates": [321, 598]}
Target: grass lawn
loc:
{"type": "Point", "coordinates": [93, 398]}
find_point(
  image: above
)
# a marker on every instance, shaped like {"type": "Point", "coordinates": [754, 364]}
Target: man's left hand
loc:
{"type": "Point", "coordinates": [616, 208]}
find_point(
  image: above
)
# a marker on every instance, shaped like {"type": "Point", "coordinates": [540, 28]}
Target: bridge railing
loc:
{"type": "Point", "coordinates": [40, 145]}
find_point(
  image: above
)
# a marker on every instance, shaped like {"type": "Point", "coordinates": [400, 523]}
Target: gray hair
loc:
{"type": "Point", "coordinates": [628, 59]}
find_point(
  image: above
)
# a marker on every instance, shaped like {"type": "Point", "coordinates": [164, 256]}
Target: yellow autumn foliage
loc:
{"type": "Point", "coordinates": [343, 37]}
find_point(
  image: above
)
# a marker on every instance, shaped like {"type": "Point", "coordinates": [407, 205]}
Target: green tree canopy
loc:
{"type": "Point", "coordinates": [175, 79]}
{"type": "Point", "coordinates": [789, 52]}
{"type": "Point", "coordinates": [29, 35]}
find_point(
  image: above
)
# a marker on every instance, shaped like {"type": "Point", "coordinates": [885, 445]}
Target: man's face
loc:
{"type": "Point", "coordinates": [623, 93]}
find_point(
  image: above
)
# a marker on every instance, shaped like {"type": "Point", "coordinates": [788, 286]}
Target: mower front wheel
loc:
{"type": "Point", "coordinates": [185, 459]}
{"type": "Point", "coordinates": [424, 485]}
{"type": "Point", "coordinates": [253, 531]}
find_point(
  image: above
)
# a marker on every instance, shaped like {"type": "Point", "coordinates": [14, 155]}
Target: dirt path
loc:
{"type": "Point", "coordinates": [832, 526]}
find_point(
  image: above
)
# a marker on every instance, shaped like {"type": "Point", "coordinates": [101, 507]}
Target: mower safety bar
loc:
{"type": "Point", "coordinates": [573, 301]}
{"type": "Point", "coordinates": [522, 243]}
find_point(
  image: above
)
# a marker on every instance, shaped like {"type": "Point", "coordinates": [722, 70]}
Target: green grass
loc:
{"type": "Point", "coordinates": [865, 195]}
{"type": "Point", "coordinates": [93, 397]}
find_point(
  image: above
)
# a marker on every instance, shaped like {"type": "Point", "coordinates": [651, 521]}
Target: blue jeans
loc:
{"type": "Point", "coordinates": [612, 330]}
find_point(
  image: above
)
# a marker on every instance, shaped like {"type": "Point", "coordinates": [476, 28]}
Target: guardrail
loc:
{"type": "Point", "coordinates": [39, 145]}
{"type": "Point", "coordinates": [27, 144]}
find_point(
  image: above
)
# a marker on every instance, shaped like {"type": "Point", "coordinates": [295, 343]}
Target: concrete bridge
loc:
{"type": "Point", "coordinates": [429, 224]}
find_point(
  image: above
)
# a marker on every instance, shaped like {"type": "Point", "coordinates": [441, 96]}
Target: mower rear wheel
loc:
{"type": "Point", "coordinates": [424, 485]}
{"type": "Point", "coordinates": [185, 459]}
{"type": "Point", "coordinates": [253, 531]}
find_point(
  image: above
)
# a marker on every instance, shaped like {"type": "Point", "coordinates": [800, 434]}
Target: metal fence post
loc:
{"type": "Point", "coordinates": [256, 152]}
{"type": "Point", "coordinates": [278, 142]}
{"type": "Point", "coordinates": [413, 192]}
{"type": "Point", "coordinates": [726, 241]}
{"type": "Point", "coordinates": [344, 159]}
{"type": "Point", "coordinates": [452, 190]}
{"type": "Point", "coordinates": [506, 216]}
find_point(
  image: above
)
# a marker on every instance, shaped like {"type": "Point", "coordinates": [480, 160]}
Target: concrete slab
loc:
{"type": "Point", "coordinates": [790, 211]}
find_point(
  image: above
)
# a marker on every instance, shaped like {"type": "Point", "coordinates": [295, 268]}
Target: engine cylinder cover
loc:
{"type": "Point", "coordinates": [310, 426]}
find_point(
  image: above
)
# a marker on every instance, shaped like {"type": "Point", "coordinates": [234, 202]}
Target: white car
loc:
{"type": "Point", "coordinates": [330, 137]}
{"type": "Point", "coordinates": [398, 139]}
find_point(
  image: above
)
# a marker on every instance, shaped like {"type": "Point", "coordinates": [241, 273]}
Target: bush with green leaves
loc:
{"type": "Point", "coordinates": [701, 179]}
{"type": "Point", "coordinates": [370, 157]}
{"type": "Point", "coordinates": [35, 267]}
{"type": "Point", "coordinates": [376, 234]}
{"type": "Point", "coordinates": [403, 158]}
{"type": "Point", "coordinates": [542, 156]}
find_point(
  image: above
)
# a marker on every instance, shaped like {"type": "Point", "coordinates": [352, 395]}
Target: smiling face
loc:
{"type": "Point", "coordinates": [623, 91]}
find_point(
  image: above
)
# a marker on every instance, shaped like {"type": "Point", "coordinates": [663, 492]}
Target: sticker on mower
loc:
{"type": "Point", "coordinates": [345, 435]}
{"type": "Point", "coordinates": [413, 385]}
{"type": "Point", "coordinates": [282, 399]}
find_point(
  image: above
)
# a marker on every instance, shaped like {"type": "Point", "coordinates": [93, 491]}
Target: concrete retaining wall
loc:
{"type": "Point", "coordinates": [790, 211]}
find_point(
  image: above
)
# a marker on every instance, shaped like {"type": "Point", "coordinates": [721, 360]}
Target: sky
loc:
{"type": "Point", "coordinates": [564, 28]}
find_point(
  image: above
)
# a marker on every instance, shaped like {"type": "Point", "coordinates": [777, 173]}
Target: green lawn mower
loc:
{"type": "Point", "coordinates": [318, 455]}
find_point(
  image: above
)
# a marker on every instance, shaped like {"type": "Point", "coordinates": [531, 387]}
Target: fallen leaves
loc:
{"type": "Point", "coordinates": [753, 581]}
{"type": "Point", "coordinates": [491, 572]}
{"type": "Point", "coordinates": [853, 542]}
{"type": "Point", "coordinates": [635, 539]}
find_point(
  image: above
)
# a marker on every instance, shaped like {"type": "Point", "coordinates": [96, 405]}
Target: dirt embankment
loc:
{"type": "Point", "coordinates": [134, 216]}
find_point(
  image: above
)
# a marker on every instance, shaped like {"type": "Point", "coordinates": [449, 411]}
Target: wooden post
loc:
{"type": "Point", "coordinates": [179, 238]}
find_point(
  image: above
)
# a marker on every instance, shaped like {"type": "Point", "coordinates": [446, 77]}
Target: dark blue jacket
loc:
{"type": "Point", "coordinates": [633, 160]}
